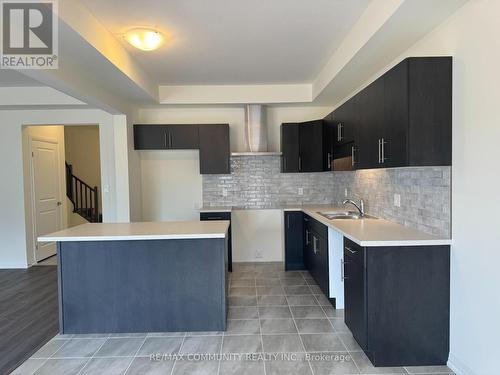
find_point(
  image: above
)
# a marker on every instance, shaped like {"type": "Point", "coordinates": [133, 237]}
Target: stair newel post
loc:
{"type": "Point", "coordinates": [96, 204]}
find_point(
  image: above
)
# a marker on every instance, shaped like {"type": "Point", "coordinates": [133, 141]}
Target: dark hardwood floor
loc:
{"type": "Point", "coordinates": [28, 313]}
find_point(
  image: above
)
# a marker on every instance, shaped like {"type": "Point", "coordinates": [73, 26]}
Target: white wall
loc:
{"type": "Point", "coordinates": [257, 231]}
{"type": "Point", "coordinates": [14, 228]}
{"type": "Point", "coordinates": [471, 36]}
{"type": "Point", "coordinates": [171, 185]}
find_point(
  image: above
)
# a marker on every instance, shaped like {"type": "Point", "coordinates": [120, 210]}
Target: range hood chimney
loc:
{"type": "Point", "coordinates": [255, 132]}
{"type": "Point", "coordinates": [255, 128]}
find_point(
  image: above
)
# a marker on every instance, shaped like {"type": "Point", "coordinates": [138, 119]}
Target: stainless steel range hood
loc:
{"type": "Point", "coordinates": [255, 131]}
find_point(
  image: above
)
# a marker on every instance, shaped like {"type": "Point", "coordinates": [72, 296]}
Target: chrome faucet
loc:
{"type": "Point", "coordinates": [360, 207]}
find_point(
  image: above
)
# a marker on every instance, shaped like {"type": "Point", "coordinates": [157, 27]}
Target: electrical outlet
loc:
{"type": "Point", "coordinates": [224, 192]}
{"type": "Point", "coordinates": [345, 192]}
{"type": "Point", "coordinates": [258, 254]}
{"type": "Point", "coordinates": [301, 191]}
{"type": "Point", "coordinates": [397, 200]}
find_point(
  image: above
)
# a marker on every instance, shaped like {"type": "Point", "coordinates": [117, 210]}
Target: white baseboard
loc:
{"type": "Point", "coordinates": [6, 265]}
{"type": "Point", "coordinates": [458, 367]}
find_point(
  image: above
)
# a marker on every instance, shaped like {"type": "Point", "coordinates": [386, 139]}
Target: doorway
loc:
{"type": "Point", "coordinates": [46, 182]}
{"type": "Point", "coordinates": [63, 182]}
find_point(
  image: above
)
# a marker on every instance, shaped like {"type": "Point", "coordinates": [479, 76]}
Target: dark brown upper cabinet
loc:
{"type": "Point", "coordinates": [214, 149]}
{"type": "Point", "coordinates": [166, 137]}
{"type": "Point", "coordinates": [290, 153]}
{"type": "Point", "coordinates": [302, 146]}
{"type": "Point", "coordinates": [150, 137]}
{"type": "Point", "coordinates": [329, 129]}
{"type": "Point", "coordinates": [182, 137]}
{"type": "Point", "coordinates": [429, 111]}
{"type": "Point", "coordinates": [370, 119]}
{"type": "Point", "coordinates": [344, 123]}
{"type": "Point", "coordinates": [311, 146]}
{"type": "Point", "coordinates": [211, 139]}
{"type": "Point", "coordinates": [401, 119]}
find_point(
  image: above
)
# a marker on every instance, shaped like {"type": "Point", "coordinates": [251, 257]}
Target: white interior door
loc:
{"type": "Point", "coordinates": [46, 194]}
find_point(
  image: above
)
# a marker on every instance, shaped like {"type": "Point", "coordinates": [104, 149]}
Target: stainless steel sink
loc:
{"type": "Point", "coordinates": [353, 215]}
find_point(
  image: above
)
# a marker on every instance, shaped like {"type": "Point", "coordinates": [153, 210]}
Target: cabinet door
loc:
{"type": "Point", "coordinates": [294, 248]}
{"type": "Point", "coordinates": [320, 251]}
{"type": "Point", "coordinates": [430, 113]}
{"type": "Point", "coordinates": [355, 291]}
{"type": "Point", "coordinates": [290, 148]}
{"type": "Point", "coordinates": [307, 243]}
{"type": "Point", "coordinates": [311, 146]}
{"type": "Point", "coordinates": [394, 129]}
{"type": "Point", "coordinates": [182, 137]}
{"type": "Point", "coordinates": [371, 118]}
{"type": "Point", "coordinates": [214, 149]}
{"type": "Point", "coordinates": [150, 137]}
{"type": "Point", "coordinates": [329, 133]}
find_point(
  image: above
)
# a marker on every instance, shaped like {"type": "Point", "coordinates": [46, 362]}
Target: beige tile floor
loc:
{"type": "Point", "coordinates": [278, 323]}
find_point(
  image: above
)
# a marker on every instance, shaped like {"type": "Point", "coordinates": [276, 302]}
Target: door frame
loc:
{"type": "Point", "coordinates": [61, 184]}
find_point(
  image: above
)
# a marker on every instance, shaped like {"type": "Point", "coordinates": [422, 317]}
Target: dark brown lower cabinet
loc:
{"type": "Point", "coordinates": [316, 253]}
{"type": "Point", "coordinates": [397, 303]}
{"type": "Point", "coordinates": [210, 216]}
{"type": "Point", "coordinates": [294, 246]}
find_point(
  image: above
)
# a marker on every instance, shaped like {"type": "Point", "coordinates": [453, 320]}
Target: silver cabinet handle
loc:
{"type": "Point", "coordinates": [315, 249]}
{"type": "Point", "coordinates": [307, 237]}
{"type": "Point", "coordinates": [382, 146]}
{"type": "Point", "coordinates": [342, 270]}
{"type": "Point", "coordinates": [300, 163]}
{"type": "Point", "coordinates": [353, 160]}
{"type": "Point", "coordinates": [165, 139]}
{"type": "Point", "coordinates": [339, 132]}
{"type": "Point", "coordinates": [329, 160]}
{"type": "Point", "coordinates": [351, 250]}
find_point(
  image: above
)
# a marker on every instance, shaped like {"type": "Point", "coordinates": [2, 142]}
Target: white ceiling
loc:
{"type": "Point", "coordinates": [234, 41]}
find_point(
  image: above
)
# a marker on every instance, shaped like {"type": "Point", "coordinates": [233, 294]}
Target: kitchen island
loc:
{"type": "Point", "coordinates": [142, 277]}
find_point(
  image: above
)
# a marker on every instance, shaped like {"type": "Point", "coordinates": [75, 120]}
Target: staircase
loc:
{"type": "Point", "coordinates": [85, 198]}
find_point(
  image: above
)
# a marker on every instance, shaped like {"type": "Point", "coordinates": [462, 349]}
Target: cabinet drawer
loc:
{"type": "Point", "coordinates": [315, 225]}
{"type": "Point", "coordinates": [204, 216]}
{"type": "Point", "coordinates": [353, 252]}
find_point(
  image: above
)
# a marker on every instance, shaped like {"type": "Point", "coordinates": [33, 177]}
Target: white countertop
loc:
{"type": "Point", "coordinates": [171, 230]}
{"type": "Point", "coordinates": [364, 232]}
{"type": "Point", "coordinates": [375, 232]}
{"type": "Point", "coordinates": [215, 209]}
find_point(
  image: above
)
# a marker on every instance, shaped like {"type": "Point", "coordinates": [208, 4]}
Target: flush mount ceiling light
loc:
{"type": "Point", "coordinates": [144, 39]}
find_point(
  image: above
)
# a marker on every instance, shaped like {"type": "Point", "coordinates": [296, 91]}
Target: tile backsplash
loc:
{"type": "Point", "coordinates": [425, 194]}
{"type": "Point", "coordinates": [256, 182]}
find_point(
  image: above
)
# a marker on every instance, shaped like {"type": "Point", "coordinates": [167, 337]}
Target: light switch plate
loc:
{"type": "Point", "coordinates": [397, 200]}
{"type": "Point", "coordinates": [301, 191]}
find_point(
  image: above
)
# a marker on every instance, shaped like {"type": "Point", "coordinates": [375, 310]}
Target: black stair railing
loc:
{"type": "Point", "coordinates": [85, 199]}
